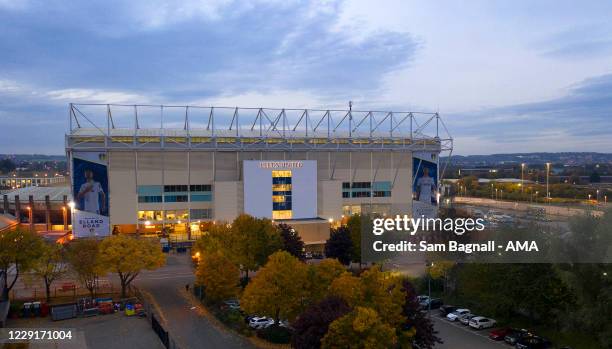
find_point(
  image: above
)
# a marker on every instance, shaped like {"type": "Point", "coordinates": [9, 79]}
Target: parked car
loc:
{"type": "Point", "coordinates": [435, 303]}
{"type": "Point", "coordinates": [447, 309]}
{"type": "Point", "coordinates": [480, 322]}
{"type": "Point", "coordinates": [260, 322]}
{"type": "Point", "coordinates": [455, 315]}
{"type": "Point", "coordinates": [465, 319]}
{"type": "Point", "coordinates": [533, 342]}
{"type": "Point", "coordinates": [515, 335]}
{"type": "Point", "coordinates": [500, 333]}
{"type": "Point", "coordinates": [423, 300]}
{"type": "Point", "coordinates": [233, 304]}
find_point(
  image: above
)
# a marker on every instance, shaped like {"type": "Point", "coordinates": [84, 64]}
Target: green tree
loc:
{"type": "Point", "coordinates": [50, 265]}
{"type": "Point", "coordinates": [219, 276]}
{"type": "Point", "coordinates": [361, 328]}
{"type": "Point", "coordinates": [19, 249]}
{"type": "Point", "coordinates": [292, 242]}
{"type": "Point", "coordinates": [82, 255]}
{"type": "Point", "coordinates": [347, 287]}
{"type": "Point", "coordinates": [7, 165]}
{"type": "Point", "coordinates": [279, 288]}
{"type": "Point", "coordinates": [354, 226]}
{"type": "Point", "coordinates": [253, 240]}
{"type": "Point", "coordinates": [382, 291]}
{"type": "Point", "coordinates": [128, 256]}
{"type": "Point", "coordinates": [322, 275]}
{"type": "Point", "coordinates": [339, 245]}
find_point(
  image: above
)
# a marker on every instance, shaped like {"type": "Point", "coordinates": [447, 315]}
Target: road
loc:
{"type": "Point", "coordinates": [183, 319]}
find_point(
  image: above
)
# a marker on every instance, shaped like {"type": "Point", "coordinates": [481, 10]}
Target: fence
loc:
{"type": "Point", "coordinates": [156, 324]}
{"type": "Point", "coordinates": [72, 291]}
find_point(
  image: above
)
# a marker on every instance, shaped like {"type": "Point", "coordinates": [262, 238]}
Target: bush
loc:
{"type": "Point", "coordinates": [275, 334]}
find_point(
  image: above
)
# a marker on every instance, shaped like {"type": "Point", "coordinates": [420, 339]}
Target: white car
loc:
{"type": "Point", "coordinates": [423, 300]}
{"type": "Point", "coordinates": [455, 315]}
{"type": "Point", "coordinates": [480, 322]}
{"type": "Point", "coordinates": [465, 319]}
{"type": "Point", "coordinates": [260, 322]}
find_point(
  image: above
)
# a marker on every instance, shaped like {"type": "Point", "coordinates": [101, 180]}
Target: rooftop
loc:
{"type": "Point", "coordinates": [39, 193]}
{"type": "Point", "coordinates": [195, 127]}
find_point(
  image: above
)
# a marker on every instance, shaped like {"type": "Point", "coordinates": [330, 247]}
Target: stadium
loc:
{"type": "Point", "coordinates": [173, 169]}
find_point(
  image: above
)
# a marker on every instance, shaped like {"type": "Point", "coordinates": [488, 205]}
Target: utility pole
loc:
{"type": "Point", "coordinates": [547, 171]}
{"type": "Point", "coordinates": [522, 177]}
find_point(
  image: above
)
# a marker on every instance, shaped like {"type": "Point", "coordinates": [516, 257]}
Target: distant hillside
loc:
{"type": "Point", "coordinates": [531, 159]}
{"type": "Point", "coordinates": [32, 157]}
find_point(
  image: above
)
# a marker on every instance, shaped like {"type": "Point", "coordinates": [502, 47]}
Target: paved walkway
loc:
{"type": "Point", "coordinates": [185, 322]}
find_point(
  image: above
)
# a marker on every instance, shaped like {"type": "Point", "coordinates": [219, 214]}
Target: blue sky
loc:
{"type": "Point", "coordinates": [507, 76]}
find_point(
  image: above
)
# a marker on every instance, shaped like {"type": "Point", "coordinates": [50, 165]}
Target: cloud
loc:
{"type": "Point", "coordinates": [580, 120]}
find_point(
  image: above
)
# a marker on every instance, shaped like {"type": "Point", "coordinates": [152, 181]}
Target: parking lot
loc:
{"type": "Point", "coordinates": [455, 335]}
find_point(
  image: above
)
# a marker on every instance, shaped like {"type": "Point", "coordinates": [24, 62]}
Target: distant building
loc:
{"type": "Point", "coordinates": [15, 182]}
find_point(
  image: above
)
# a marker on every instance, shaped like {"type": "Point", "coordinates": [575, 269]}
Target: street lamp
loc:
{"type": "Point", "coordinates": [429, 265]}
{"type": "Point", "coordinates": [522, 176]}
{"type": "Point", "coordinates": [65, 218]}
{"type": "Point", "coordinates": [30, 214]}
{"type": "Point", "coordinates": [71, 204]}
{"type": "Point", "coordinates": [547, 171]}
{"type": "Point", "coordinates": [597, 196]}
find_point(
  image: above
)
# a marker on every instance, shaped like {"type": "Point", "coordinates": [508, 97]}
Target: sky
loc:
{"type": "Point", "coordinates": [505, 76]}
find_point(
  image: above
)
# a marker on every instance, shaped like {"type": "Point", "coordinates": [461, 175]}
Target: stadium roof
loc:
{"type": "Point", "coordinates": [39, 193]}
{"type": "Point", "coordinates": [196, 127]}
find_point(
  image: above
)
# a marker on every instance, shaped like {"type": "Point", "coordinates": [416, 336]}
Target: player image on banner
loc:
{"type": "Point", "coordinates": [425, 184]}
{"type": "Point", "coordinates": [90, 194]}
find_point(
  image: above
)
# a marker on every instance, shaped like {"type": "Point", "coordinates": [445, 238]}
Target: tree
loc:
{"type": "Point", "coordinates": [50, 265]}
{"type": "Point", "coordinates": [416, 323]}
{"type": "Point", "coordinates": [279, 288]}
{"type": "Point", "coordinates": [18, 249]}
{"type": "Point", "coordinates": [127, 256]}
{"type": "Point", "coordinates": [219, 276]}
{"type": "Point", "coordinates": [292, 242]}
{"type": "Point", "coordinates": [361, 328]}
{"type": "Point", "coordinates": [347, 287]}
{"type": "Point", "coordinates": [82, 255]}
{"type": "Point", "coordinates": [339, 245]}
{"type": "Point", "coordinates": [594, 177]}
{"type": "Point", "coordinates": [252, 241]}
{"type": "Point", "coordinates": [382, 291]}
{"type": "Point", "coordinates": [354, 226]}
{"type": "Point", "coordinates": [321, 277]}
{"type": "Point", "coordinates": [7, 165]}
{"type": "Point", "coordinates": [312, 325]}
{"type": "Point", "coordinates": [218, 237]}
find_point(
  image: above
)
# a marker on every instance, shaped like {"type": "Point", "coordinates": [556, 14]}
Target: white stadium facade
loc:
{"type": "Point", "coordinates": [146, 168]}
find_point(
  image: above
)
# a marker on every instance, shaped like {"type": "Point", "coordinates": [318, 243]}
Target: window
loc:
{"type": "Point", "coordinates": [149, 199]}
{"type": "Point", "coordinates": [361, 194]}
{"type": "Point", "coordinates": [201, 213]}
{"type": "Point", "coordinates": [173, 215]}
{"type": "Point", "coordinates": [281, 195]}
{"type": "Point", "coordinates": [175, 188]}
{"type": "Point", "coordinates": [366, 189]}
{"type": "Point", "coordinates": [149, 190]}
{"type": "Point", "coordinates": [201, 197]}
{"type": "Point", "coordinates": [200, 187]}
{"type": "Point", "coordinates": [287, 214]}
{"type": "Point", "coordinates": [150, 215]}
{"type": "Point", "coordinates": [175, 198]}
